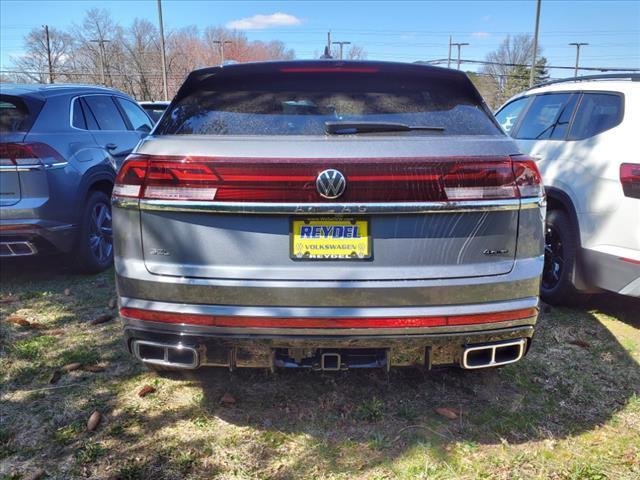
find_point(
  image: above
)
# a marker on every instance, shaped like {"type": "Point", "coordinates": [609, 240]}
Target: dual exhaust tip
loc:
{"type": "Point", "coordinates": [17, 249]}
{"type": "Point", "coordinates": [473, 357]}
{"type": "Point", "coordinates": [493, 355]}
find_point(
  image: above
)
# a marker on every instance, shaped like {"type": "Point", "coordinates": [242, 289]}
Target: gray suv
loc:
{"type": "Point", "coordinates": [60, 146]}
{"type": "Point", "coordinates": [328, 215]}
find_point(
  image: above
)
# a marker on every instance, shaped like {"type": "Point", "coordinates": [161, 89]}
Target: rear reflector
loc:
{"type": "Point", "coordinates": [292, 180]}
{"type": "Point", "coordinates": [372, 322]}
{"type": "Point", "coordinates": [630, 179]}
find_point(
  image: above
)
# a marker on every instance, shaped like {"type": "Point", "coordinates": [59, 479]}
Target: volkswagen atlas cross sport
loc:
{"type": "Point", "coordinates": [60, 146]}
{"type": "Point", "coordinates": [328, 215]}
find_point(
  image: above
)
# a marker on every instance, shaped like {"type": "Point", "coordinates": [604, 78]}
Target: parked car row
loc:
{"type": "Point", "coordinates": [329, 215]}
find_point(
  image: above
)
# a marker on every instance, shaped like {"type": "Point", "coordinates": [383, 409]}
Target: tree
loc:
{"type": "Point", "coordinates": [34, 63]}
{"type": "Point", "coordinates": [507, 67]}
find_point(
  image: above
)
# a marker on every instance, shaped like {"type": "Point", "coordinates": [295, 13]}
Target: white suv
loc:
{"type": "Point", "coordinates": [584, 135]}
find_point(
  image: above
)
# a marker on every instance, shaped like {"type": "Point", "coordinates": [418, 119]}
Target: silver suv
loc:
{"type": "Point", "coordinates": [328, 215]}
{"type": "Point", "coordinates": [60, 146]}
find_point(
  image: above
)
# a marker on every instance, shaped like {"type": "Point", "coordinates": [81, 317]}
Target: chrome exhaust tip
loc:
{"type": "Point", "coordinates": [493, 355]}
{"type": "Point", "coordinates": [164, 354]}
{"type": "Point", "coordinates": [17, 249]}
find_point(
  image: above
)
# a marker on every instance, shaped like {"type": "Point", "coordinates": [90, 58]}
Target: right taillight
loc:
{"type": "Point", "coordinates": [630, 179]}
{"type": "Point", "coordinates": [527, 177]}
{"type": "Point", "coordinates": [293, 180]}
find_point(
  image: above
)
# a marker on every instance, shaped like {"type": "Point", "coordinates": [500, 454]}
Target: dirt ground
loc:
{"type": "Point", "coordinates": [569, 410]}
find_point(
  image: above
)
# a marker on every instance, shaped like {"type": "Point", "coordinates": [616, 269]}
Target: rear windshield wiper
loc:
{"type": "Point", "coordinates": [347, 128]}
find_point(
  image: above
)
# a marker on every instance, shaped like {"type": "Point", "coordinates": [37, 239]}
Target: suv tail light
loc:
{"type": "Point", "coordinates": [28, 154]}
{"type": "Point", "coordinates": [294, 180]}
{"type": "Point", "coordinates": [630, 179]}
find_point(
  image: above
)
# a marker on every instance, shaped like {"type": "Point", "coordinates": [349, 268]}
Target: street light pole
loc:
{"type": "Point", "coordinates": [342, 44]}
{"type": "Point", "coordinates": [577, 45]}
{"type": "Point", "coordinates": [163, 57]}
{"type": "Point", "coordinates": [48, 40]}
{"type": "Point", "coordinates": [222, 43]}
{"type": "Point", "coordinates": [459, 45]}
{"type": "Point", "coordinates": [535, 45]}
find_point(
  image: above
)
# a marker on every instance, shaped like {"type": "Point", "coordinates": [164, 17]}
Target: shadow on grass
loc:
{"type": "Point", "coordinates": [575, 378]}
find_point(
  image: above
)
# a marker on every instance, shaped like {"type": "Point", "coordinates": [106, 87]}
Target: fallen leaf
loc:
{"type": "Point", "coordinates": [67, 292]}
{"type": "Point", "coordinates": [34, 475]}
{"type": "Point", "coordinates": [101, 319]}
{"type": "Point", "coordinates": [71, 367]}
{"type": "Point", "coordinates": [7, 300]}
{"type": "Point", "coordinates": [55, 376]}
{"type": "Point", "coordinates": [37, 326]}
{"type": "Point", "coordinates": [93, 421]}
{"type": "Point", "coordinates": [18, 320]}
{"type": "Point", "coordinates": [447, 413]}
{"type": "Point", "coordinates": [112, 303]}
{"type": "Point", "coordinates": [228, 399]}
{"type": "Point", "coordinates": [580, 343]}
{"type": "Point", "coordinates": [56, 331]}
{"type": "Point", "coordinates": [146, 390]}
{"type": "Point", "coordinates": [93, 368]}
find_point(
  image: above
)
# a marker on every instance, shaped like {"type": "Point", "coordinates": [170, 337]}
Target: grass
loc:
{"type": "Point", "coordinates": [569, 410]}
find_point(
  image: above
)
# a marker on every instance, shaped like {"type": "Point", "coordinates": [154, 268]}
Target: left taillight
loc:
{"type": "Point", "coordinates": [130, 178]}
{"type": "Point", "coordinates": [630, 179]}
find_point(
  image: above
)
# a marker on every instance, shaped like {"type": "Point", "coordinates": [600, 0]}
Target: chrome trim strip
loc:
{"type": "Point", "coordinates": [332, 208]}
{"type": "Point", "coordinates": [330, 312]}
{"type": "Point", "coordinates": [187, 329]}
{"type": "Point", "coordinates": [125, 202]}
{"type": "Point", "coordinates": [20, 168]}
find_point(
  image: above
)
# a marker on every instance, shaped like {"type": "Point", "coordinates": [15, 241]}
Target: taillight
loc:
{"type": "Point", "coordinates": [630, 179]}
{"type": "Point", "coordinates": [290, 180]}
{"type": "Point", "coordinates": [28, 154]}
{"type": "Point", "coordinates": [527, 177]}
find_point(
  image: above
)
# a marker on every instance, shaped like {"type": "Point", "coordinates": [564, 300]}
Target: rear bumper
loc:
{"type": "Point", "coordinates": [32, 236]}
{"type": "Point", "coordinates": [271, 347]}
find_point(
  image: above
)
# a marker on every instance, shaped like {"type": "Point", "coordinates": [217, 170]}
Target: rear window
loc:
{"type": "Point", "coordinates": [300, 104]}
{"type": "Point", "coordinates": [16, 115]}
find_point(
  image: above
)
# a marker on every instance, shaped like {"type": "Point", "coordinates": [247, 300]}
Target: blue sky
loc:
{"type": "Point", "coordinates": [404, 31]}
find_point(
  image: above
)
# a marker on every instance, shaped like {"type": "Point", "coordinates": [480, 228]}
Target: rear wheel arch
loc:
{"type": "Point", "coordinates": [559, 200]}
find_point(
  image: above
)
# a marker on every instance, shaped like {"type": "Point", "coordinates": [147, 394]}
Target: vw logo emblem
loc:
{"type": "Point", "coordinates": [331, 183]}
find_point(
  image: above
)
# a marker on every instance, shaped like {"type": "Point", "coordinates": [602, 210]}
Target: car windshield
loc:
{"type": "Point", "coordinates": [282, 105]}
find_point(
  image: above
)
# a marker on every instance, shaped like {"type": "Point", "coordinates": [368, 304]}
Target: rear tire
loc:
{"type": "Point", "coordinates": [95, 241]}
{"type": "Point", "coordinates": [560, 253]}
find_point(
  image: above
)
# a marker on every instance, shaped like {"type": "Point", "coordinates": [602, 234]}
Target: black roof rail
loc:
{"type": "Point", "coordinates": [634, 77]}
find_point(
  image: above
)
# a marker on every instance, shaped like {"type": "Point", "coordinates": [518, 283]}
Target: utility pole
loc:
{"type": "Point", "coordinates": [222, 43]}
{"type": "Point", "coordinates": [101, 43]}
{"type": "Point", "coordinates": [163, 57]}
{"type": "Point", "coordinates": [46, 34]}
{"type": "Point", "coordinates": [449, 57]}
{"type": "Point", "coordinates": [329, 41]}
{"type": "Point", "coordinates": [342, 44]}
{"type": "Point", "coordinates": [577, 45]}
{"type": "Point", "coordinates": [532, 73]}
{"type": "Point", "coordinates": [459, 45]}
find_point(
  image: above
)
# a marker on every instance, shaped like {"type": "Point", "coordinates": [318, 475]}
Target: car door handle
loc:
{"type": "Point", "coordinates": [111, 146]}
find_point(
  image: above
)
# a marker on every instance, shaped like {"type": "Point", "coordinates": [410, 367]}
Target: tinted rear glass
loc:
{"type": "Point", "coordinates": [16, 115]}
{"type": "Point", "coordinates": [597, 113]}
{"type": "Point", "coordinates": [300, 104]}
